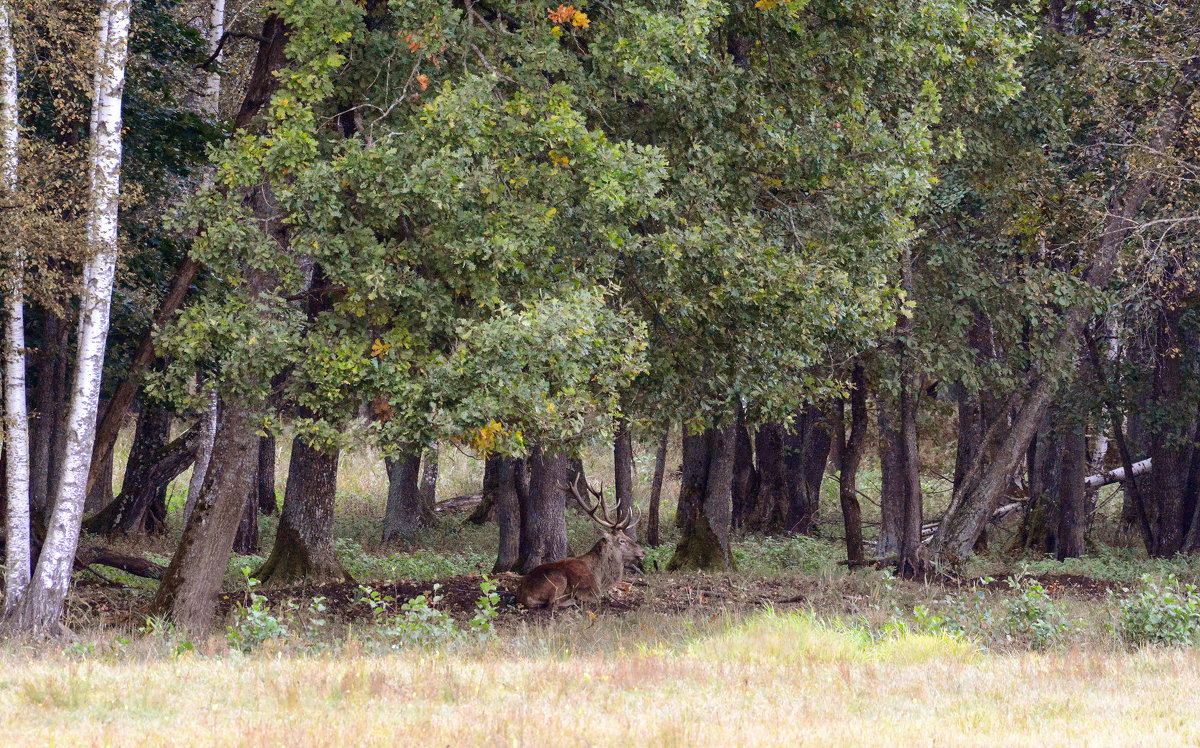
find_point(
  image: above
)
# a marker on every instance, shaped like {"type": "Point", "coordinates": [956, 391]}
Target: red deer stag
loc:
{"type": "Point", "coordinates": [586, 577]}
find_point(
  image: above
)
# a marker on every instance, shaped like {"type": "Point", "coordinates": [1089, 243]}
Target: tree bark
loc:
{"type": "Point", "coordinates": [304, 546]}
{"type": "Point", "coordinates": [268, 502]}
{"type": "Point", "coordinates": [660, 469]}
{"type": "Point", "coordinates": [745, 477]}
{"type": "Point", "coordinates": [128, 512]}
{"type": "Point", "coordinates": [806, 453]}
{"type": "Point", "coordinates": [1072, 514]}
{"type": "Point", "coordinates": [406, 512]}
{"type": "Point", "coordinates": [245, 540]}
{"type": "Point", "coordinates": [772, 501]}
{"type": "Point", "coordinates": [851, 448]}
{"type": "Point", "coordinates": [204, 450]}
{"type": "Point", "coordinates": [1003, 448]}
{"type": "Point", "coordinates": [891, 468]}
{"type": "Point", "coordinates": [429, 475]}
{"type": "Point", "coordinates": [707, 502]}
{"type": "Point", "coordinates": [623, 472]}
{"type": "Point", "coordinates": [511, 486]}
{"type": "Point", "coordinates": [50, 394]}
{"type": "Point", "coordinates": [486, 510]}
{"type": "Point", "coordinates": [910, 538]}
{"type": "Point", "coordinates": [100, 494]}
{"type": "Point", "coordinates": [150, 440]}
{"type": "Point", "coordinates": [18, 553]}
{"type": "Point", "coordinates": [40, 611]}
{"type": "Point", "coordinates": [188, 593]}
{"type": "Point", "coordinates": [543, 515]}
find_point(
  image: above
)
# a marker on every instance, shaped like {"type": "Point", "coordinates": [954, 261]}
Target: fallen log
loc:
{"type": "Point", "coordinates": [136, 565]}
{"type": "Point", "coordinates": [1117, 475]}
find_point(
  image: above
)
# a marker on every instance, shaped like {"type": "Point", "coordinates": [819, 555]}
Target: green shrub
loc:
{"type": "Point", "coordinates": [1161, 613]}
{"type": "Point", "coordinates": [255, 624]}
{"type": "Point", "coordinates": [1031, 616]}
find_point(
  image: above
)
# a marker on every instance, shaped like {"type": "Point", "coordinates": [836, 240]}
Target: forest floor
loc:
{"type": "Point", "coordinates": [791, 648]}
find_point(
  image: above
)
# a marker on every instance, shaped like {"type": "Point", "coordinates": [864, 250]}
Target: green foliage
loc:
{"type": "Point", "coordinates": [1031, 616]}
{"type": "Point", "coordinates": [255, 624]}
{"type": "Point", "coordinates": [1166, 612]}
{"type": "Point", "coordinates": [421, 623]}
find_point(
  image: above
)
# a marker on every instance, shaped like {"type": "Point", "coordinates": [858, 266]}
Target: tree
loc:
{"type": "Point", "coordinates": [41, 608]}
{"type": "Point", "coordinates": [16, 421]}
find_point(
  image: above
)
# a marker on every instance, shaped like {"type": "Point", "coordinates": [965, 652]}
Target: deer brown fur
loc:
{"type": "Point", "coordinates": [584, 578]}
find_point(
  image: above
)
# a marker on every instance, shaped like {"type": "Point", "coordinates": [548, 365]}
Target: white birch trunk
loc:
{"type": "Point", "coordinates": [212, 82]}
{"type": "Point", "coordinates": [41, 609]}
{"type": "Point", "coordinates": [17, 548]}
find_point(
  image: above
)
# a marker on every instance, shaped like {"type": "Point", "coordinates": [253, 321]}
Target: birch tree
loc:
{"type": "Point", "coordinates": [41, 608]}
{"type": "Point", "coordinates": [16, 422]}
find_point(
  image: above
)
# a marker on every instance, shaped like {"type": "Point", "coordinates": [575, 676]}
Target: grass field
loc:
{"type": "Point", "coordinates": [792, 648]}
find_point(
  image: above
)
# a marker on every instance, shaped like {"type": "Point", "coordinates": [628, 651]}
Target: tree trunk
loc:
{"type": "Point", "coordinates": [1003, 448]}
{"type": "Point", "coordinates": [100, 494]}
{"type": "Point", "coordinates": [543, 516]}
{"type": "Point", "coordinates": [745, 477]}
{"type": "Point", "coordinates": [693, 469]}
{"type": "Point", "coordinates": [511, 486]}
{"type": "Point", "coordinates": [429, 475]}
{"type": "Point", "coordinates": [1072, 514]}
{"type": "Point", "coordinates": [623, 472]}
{"type": "Point", "coordinates": [18, 551]}
{"type": "Point", "coordinates": [245, 540]}
{"type": "Point", "coordinates": [41, 608]}
{"type": "Point", "coordinates": [304, 541]}
{"type": "Point", "coordinates": [773, 498]}
{"type": "Point", "coordinates": [51, 394]}
{"type": "Point", "coordinates": [660, 469]}
{"type": "Point", "coordinates": [406, 512]}
{"type": "Point", "coordinates": [910, 537]}
{"type": "Point", "coordinates": [204, 450]}
{"type": "Point", "coordinates": [707, 502]}
{"type": "Point", "coordinates": [486, 510]}
{"type": "Point", "coordinates": [150, 439]}
{"type": "Point", "coordinates": [188, 593]}
{"type": "Point", "coordinates": [851, 448]}
{"type": "Point", "coordinates": [132, 512]}
{"type": "Point", "coordinates": [268, 502]}
{"type": "Point", "coordinates": [891, 468]}
{"type": "Point", "coordinates": [806, 453]}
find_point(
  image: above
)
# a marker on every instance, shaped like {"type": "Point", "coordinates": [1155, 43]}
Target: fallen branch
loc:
{"type": "Point", "coordinates": [1117, 475]}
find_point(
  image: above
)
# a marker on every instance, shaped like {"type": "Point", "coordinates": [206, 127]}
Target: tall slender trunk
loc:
{"type": "Point", "coordinates": [1072, 514]}
{"type": "Point", "coordinates": [623, 471]}
{"type": "Point", "coordinates": [1004, 447]}
{"type": "Point", "coordinates": [706, 499]}
{"type": "Point", "coordinates": [16, 419]}
{"type": "Point", "coordinates": [304, 541]}
{"type": "Point", "coordinates": [774, 493]}
{"type": "Point", "coordinates": [41, 608]}
{"type": "Point", "coordinates": [910, 538]}
{"type": "Point", "coordinates": [851, 449]}
{"type": "Point", "coordinates": [511, 485]}
{"type": "Point", "coordinates": [543, 515]}
{"type": "Point", "coordinates": [660, 469]}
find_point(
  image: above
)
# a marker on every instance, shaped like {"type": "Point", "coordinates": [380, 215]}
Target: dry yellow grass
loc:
{"type": "Point", "coordinates": [773, 679]}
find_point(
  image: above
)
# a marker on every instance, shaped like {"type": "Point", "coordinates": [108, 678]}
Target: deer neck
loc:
{"type": "Point", "coordinates": [604, 559]}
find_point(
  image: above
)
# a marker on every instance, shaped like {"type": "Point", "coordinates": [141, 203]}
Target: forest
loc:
{"type": "Point", "coordinates": [858, 340]}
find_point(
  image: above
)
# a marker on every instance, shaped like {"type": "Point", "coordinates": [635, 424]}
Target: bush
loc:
{"type": "Point", "coordinates": [1161, 613]}
{"type": "Point", "coordinates": [1031, 615]}
{"type": "Point", "coordinates": [255, 624]}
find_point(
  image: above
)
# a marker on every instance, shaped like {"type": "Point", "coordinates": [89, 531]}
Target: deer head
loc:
{"type": "Point", "coordinates": [612, 525]}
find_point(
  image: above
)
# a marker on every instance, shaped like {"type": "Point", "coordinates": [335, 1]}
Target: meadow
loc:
{"type": "Point", "coordinates": [791, 647]}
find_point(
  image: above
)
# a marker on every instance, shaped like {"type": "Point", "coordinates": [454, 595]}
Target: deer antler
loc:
{"type": "Point", "coordinates": [604, 520]}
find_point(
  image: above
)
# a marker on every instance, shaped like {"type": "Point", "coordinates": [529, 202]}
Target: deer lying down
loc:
{"type": "Point", "coordinates": [584, 578]}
